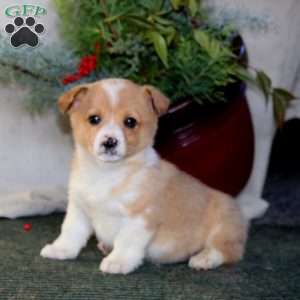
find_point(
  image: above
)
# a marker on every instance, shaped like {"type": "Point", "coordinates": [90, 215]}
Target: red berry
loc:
{"type": "Point", "coordinates": [71, 78]}
{"type": "Point", "coordinates": [83, 71]}
{"type": "Point", "coordinates": [87, 65]}
{"type": "Point", "coordinates": [27, 226]}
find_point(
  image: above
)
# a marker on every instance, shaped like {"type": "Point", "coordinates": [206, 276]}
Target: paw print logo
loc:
{"type": "Point", "coordinates": [24, 33]}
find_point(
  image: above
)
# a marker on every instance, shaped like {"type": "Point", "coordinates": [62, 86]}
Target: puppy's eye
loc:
{"type": "Point", "coordinates": [94, 119]}
{"type": "Point", "coordinates": [130, 122]}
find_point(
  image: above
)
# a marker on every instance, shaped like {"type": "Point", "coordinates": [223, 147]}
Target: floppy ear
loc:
{"type": "Point", "coordinates": [160, 103]}
{"type": "Point", "coordinates": [72, 97]}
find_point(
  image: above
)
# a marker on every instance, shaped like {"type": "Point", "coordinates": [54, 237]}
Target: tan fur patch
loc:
{"type": "Point", "coordinates": [185, 213]}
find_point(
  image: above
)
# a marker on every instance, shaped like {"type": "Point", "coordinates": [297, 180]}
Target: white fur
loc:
{"type": "Point", "coordinates": [41, 201]}
{"type": "Point", "coordinates": [129, 247]}
{"type": "Point", "coordinates": [252, 207]}
{"type": "Point", "coordinates": [113, 130]}
{"type": "Point", "coordinates": [207, 259]}
{"type": "Point", "coordinates": [156, 251]}
{"type": "Point", "coordinates": [112, 87]}
{"type": "Point", "coordinates": [75, 233]}
{"type": "Point", "coordinates": [151, 157]}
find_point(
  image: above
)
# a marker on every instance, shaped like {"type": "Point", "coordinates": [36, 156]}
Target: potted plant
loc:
{"type": "Point", "coordinates": [173, 46]}
{"type": "Point", "coordinates": [170, 45]}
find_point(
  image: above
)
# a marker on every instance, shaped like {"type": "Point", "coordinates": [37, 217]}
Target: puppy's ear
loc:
{"type": "Point", "coordinates": [160, 103]}
{"type": "Point", "coordinates": [71, 98]}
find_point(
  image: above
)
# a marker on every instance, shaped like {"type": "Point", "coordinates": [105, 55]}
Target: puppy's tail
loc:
{"type": "Point", "coordinates": [252, 207]}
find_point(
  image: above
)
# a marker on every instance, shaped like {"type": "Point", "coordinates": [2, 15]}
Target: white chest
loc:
{"type": "Point", "coordinates": [96, 196]}
{"type": "Point", "coordinates": [94, 187]}
{"type": "Point", "coordinates": [106, 224]}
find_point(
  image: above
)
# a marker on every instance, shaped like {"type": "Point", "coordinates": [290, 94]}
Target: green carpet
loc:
{"type": "Point", "coordinates": [270, 270]}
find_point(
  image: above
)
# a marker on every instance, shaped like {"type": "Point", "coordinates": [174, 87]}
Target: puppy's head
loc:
{"type": "Point", "coordinates": [113, 118]}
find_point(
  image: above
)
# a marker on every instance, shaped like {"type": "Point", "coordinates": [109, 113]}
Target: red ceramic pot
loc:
{"type": "Point", "coordinates": [214, 143]}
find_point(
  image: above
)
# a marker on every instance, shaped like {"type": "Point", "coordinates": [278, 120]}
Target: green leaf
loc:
{"type": "Point", "coordinates": [158, 5]}
{"type": "Point", "coordinates": [264, 83]}
{"type": "Point", "coordinates": [211, 45]}
{"type": "Point", "coordinates": [176, 3]}
{"type": "Point", "coordinates": [112, 18]}
{"type": "Point", "coordinates": [140, 21]}
{"type": "Point", "coordinates": [245, 75]}
{"type": "Point", "coordinates": [281, 100]}
{"type": "Point", "coordinates": [160, 45]}
{"type": "Point", "coordinates": [170, 36]}
{"type": "Point", "coordinates": [104, 33]}
{"type": "Point", "coordinates": [193, 7]}
{"type": "Point", "coordinates": [163, 21]}
{"type": "Point", "coordinates": [279, 108]}
{"type": "Point", "coordinates": [164, 29]}
{"type": "Point", "coordinates": [202, 39]}
{"type": "Point", "coordinates": [214, 49]}
{"type": "Point", "coordinates": [284, 94]}
{"type": "Point", "coordinates": [153, 5]}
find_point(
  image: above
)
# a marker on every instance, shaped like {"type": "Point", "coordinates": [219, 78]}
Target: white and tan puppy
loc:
{"type": "Point", "coordinates": [138, 205]}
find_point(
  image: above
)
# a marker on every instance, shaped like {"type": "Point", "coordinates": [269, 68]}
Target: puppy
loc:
{"type": "Point", "coordinates": [138, 205]}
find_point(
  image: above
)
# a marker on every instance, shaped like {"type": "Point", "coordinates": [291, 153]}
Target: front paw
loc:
{"type": "Point", "coordinates": [54, 251]}
{"type": "Point", "coordinates": [118, 265]}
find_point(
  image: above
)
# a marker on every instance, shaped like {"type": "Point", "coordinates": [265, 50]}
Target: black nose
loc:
{"type": "Point", "coordinates": [110, 143]}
